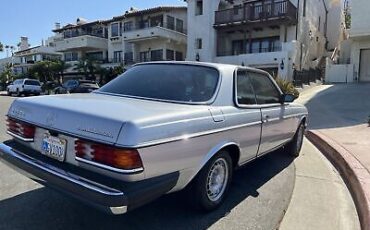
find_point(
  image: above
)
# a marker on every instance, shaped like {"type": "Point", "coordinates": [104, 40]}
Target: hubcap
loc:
{"type": "Point", "coordinates": [218, 177]}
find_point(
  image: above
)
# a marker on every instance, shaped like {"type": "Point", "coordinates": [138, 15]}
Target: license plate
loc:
{"type": "Point", "coordinates": [54, 147]}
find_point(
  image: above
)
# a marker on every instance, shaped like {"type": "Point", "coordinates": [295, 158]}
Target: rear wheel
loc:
{"type": "Point", "coordinates": [210, 186]}
{"type": "Point", "coordinates": [294, 147]}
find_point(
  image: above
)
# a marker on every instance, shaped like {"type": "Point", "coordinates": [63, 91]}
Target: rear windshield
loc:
{"type": "Point", "coordinates": [32, 82]}
{"type": "Point", "coordinates": [169, 82]}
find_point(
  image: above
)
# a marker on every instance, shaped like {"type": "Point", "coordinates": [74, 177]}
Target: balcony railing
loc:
{"type": "Point", "coordinates": [249, 51]}
{"type": "Point", "coordinates": [144, 25]}
{"type": "Point", "coordinates": [83, 33]}
{"type": "Point", "coordinates": [257, 11]}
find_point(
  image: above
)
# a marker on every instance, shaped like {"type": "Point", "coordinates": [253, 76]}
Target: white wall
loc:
{"type": "Point", "coordinates": [360, 18]}
{"type": "Point", "coordinates": [202, 27]}
{"type": "Point", "coordinates": [339, 73]}
{"type": "Point", "coordinates": [357, 46]}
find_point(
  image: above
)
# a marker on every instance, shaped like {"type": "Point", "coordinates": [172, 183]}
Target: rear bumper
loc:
{"type": "Point", "coordinates": [113, 196]}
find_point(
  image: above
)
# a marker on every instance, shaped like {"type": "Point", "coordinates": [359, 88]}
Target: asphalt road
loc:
{"type": "Point", "coordinates": [259, 196]}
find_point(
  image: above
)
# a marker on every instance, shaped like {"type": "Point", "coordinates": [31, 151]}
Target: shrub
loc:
{"type": "Point", "coordinates": [287, 87]}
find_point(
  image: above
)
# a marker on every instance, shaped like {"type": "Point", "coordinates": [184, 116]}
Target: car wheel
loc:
{"type": "Point", "coordinates": [209, 187]}
{"type": "Point", "coordinates": [294, 147]}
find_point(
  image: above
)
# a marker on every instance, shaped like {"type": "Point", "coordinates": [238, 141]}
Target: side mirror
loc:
{"type": "Point", "coordinates": [288, 98]}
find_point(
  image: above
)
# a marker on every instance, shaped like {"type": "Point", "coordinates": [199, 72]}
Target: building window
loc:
{"type": "Point", "coordinates": [170, 23]}
{"type": "Point", "coordinates": [71, 56]}
{"type": "Point", "coordinates": [199, 7]}
{"type": "Point", "coordinates": [180, 25]}
{"type": "Point", "coordinates": [117, 56]}
{"type": "Point", "coordinates": [95, 56]}
{"type": "Point", "coordinates": [170, 56]}
{"type": "Point", "coordinates": [156, 21]}
{"type": "Point", "coordinates": [129, 57]}
{"type": "Point", "coordinates": [304, 8]}
{"type": "Point", "coordinates": [198, 43]}
{"type": "Point", "coordinates": [156, 55]}
{"type": "Point", "coordinates": [115, 30]}
{"type": "Point", "coordinates": [179, 56]}
{"type": "Point", "coordinates": [128, 26]}
{"type": "Point", "coordinates": [144, 56]}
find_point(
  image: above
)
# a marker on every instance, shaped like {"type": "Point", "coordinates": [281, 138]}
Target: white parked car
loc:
{"type": "Point", "coordinates": [25, 87]}
{"type": "Point", "coordinates": [158, 128]}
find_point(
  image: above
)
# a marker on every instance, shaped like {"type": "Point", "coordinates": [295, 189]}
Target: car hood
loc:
{"type": "Point", "coordinates": [110, 119]}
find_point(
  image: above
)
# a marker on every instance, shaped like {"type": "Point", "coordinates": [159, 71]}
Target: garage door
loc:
{"type": "Point", "coordinates": [365, 65]}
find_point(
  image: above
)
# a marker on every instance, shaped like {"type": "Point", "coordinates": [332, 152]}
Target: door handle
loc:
{"type": "Point", "coordinates": [265, 118]}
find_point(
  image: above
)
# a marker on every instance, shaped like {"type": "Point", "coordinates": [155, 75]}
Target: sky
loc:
{"type": "Point", "coordinates": [36, 18]}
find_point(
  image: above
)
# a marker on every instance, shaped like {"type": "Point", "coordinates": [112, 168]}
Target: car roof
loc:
{"type": "Point", "coordinates": [218, 66]}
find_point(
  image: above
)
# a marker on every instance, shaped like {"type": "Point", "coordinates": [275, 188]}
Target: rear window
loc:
{"type": "Point", "coordinates": [32, 82]}
{"type": "Point", "coordinates": [169, 82]}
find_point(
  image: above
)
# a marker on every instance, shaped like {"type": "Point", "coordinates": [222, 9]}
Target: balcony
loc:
{"type": "Point", "coordinates": [82, 42]}
{"type": "Point", "coordinates": [258, 13]}
{"type": "Point", "coordinates": [250, 51]}
{"type": "Point", "coordinates": [143, 32]}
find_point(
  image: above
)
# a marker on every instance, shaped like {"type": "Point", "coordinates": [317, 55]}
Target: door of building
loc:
{"type": "Point", "coordinates": [365, 65]}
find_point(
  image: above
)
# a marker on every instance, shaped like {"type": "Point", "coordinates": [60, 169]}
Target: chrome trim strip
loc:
{"type": "Point", "coordinates": [20, 137]}
{"type": "Point", "coordinates": [109, 167]}
{"type": "Point", "coordinates": [295, 115]}
{"type": "Point", "coordinates": [64, 175]}
{"type": "Point", "coordinates": [190, 136]}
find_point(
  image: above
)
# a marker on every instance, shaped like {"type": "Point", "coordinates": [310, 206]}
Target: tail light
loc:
{"type": "Point", "coordinates": [21, 129]}
{"type": "Point", "coordinates": [121, 159]}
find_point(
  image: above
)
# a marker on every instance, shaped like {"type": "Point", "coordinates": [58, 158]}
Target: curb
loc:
{"type": "Point", "coordinates": [355, 175]}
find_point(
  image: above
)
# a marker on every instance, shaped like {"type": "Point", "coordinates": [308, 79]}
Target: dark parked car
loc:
{"type": "Point", "coordinates": [77, 86]}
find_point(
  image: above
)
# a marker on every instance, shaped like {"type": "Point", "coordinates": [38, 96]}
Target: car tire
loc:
{"type": "Point", "coordinates": [294, 147]}
{"type": "Point", "coordinates": [209, 188]}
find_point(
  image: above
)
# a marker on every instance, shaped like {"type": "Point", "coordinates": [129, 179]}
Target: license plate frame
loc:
{"type": "Point", "coordinates": [54, 147]}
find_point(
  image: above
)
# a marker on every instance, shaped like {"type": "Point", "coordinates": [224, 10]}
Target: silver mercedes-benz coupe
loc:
{"type": "Point", "coordinates": [158, 128]}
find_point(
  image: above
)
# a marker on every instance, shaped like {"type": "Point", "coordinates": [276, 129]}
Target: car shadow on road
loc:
{"type": "Point", "coordinates": [45, 209]}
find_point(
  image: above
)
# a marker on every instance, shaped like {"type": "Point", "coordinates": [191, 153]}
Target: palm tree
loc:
{"type": "Point", "coordinates": [61, 67]}
{"type": "Point", "coordinates": [87, 67]}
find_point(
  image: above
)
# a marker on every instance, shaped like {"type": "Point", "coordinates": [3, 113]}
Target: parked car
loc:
{"type": "Point", "coordinates": [157, 129]}
{"type": "Point", "coordinates": [24, 86]}
{"type": "Point", "coordinates": [76, 86]}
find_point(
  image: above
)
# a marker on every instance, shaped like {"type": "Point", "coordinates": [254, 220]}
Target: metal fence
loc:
{"type": "Point", "coordinates": [305, 77]}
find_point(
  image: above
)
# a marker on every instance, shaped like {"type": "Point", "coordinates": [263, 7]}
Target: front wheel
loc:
{"type": "Point", "coordinates": [294, 147]}
{"type": "Point", "coordinates": [210, 186]}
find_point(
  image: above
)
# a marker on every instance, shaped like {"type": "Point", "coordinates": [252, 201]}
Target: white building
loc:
{"type": "Point", "coordinates": [360, 39]}
{"type": "Point", "coordinates": [276, 35]}
{"type": "Point", "coordinates": [26, 58]}
{"type": "Point", "coordinates": [147, 35]}
{"type": "Point", "coordinates": [82, 40]}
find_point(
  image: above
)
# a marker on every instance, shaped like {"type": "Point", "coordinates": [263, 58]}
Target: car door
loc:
{"type": "Point", "coordinates": [248, 116]}
{"type": "Point", "coordinates": [276, 127]}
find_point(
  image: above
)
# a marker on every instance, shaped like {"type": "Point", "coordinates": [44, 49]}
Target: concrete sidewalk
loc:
{"type": "Point", "coordinates": [321, 199]}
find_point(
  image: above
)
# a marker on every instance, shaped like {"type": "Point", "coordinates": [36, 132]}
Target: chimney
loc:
{"type": "Point", "coordinates": [57, 25]}
{"type": "Point", "coordinates": [24, 44]}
